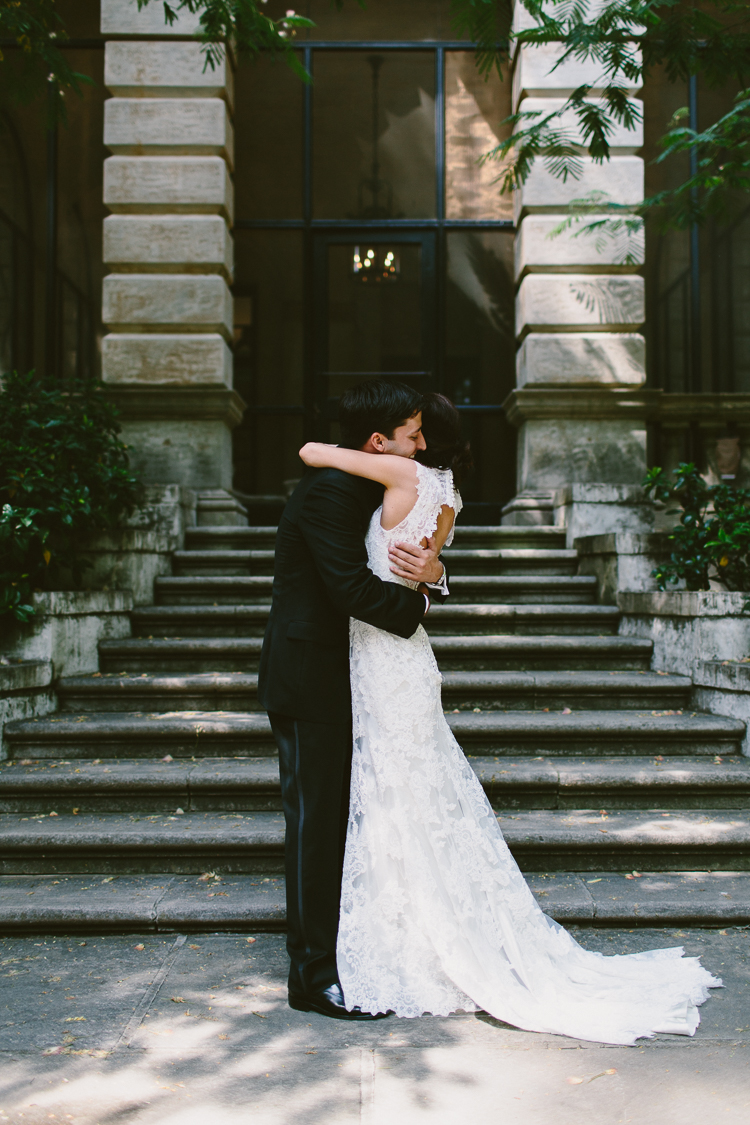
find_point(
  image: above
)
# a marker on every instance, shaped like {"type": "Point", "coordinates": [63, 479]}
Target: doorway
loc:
{"type": "Point", "coordinates": [376, 161]}
{"type": "Point", "coordinates": [374, 314]}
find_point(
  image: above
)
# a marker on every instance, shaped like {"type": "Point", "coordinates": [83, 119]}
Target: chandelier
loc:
{"type": "Point", "coordinates": [375, 264]}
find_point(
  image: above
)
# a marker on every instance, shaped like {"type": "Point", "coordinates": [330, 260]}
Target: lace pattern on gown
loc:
{"type": "Point", "coordinates": [435, 913]}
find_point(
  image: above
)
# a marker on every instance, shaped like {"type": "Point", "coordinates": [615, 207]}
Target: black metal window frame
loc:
{"type": "Point", "coordinates": [58, 287]}
{"type": "Point", "coordinates": [310, 226]}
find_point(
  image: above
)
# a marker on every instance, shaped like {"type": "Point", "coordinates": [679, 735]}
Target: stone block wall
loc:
{"type": "Point", "coordinates": [702, 634]}
{"type": "Point", "coordinates": [168, 245]}
{"type": "Point", "coordinates": [578, 402]}
{"type": "Point", "coordinates": [67, 628]}
{"type": "Point", "coordinates": [26, 691]}
{"type": "Point", "coordinates": [621, 560]}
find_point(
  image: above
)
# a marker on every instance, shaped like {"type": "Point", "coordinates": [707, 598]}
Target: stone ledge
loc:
{"type": "Point", "coordinates": [684, 603]}
{"type": "Point", "coordinates": [622, 543]}
{"type": "Point", "coordinates": [81, 603]}
{"type": "Point", "coordinates": [723, 675]}
{"type": "Point", "coordinates": [169, 403]}
{"type": "Point", "coordinates": [598, 493]}
{"type": "Point", "coordinates": [719, 408]}
{"type": "Point", "coordinates": [18, 675]}
{"type": "Point", "coordinates": [554, 403]}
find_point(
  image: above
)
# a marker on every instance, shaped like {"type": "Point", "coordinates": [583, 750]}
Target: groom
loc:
{"type": "Point", "coordinates": [321, 579]}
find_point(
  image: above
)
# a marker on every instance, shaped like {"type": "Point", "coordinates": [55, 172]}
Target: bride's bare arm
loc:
{"type": "Point", "coordinates": [420, 562]}
{"type": "Point", "coordinates": [393, 472]}
{"type": "Point", "coordinates": [446, 520]}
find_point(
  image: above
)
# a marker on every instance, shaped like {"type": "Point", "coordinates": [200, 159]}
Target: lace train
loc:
{"type": "Point", "coordinates": [435, 913]}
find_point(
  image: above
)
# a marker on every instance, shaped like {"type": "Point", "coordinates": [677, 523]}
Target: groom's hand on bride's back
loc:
{"type": "Point", "coordinates": [415, 563]}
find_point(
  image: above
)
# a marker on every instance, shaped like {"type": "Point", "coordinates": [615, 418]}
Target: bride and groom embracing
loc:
{"type": "Point", "coordinates": [402, 895]}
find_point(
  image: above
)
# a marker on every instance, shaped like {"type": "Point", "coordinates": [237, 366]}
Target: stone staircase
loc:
{"type": "Point", "coordinates": [151, 798]}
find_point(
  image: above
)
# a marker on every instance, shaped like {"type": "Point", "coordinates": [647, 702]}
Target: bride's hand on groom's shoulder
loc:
{"type": "Point", "coordinates": [415, 563]}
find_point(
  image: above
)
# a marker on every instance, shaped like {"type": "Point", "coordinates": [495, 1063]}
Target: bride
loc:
{"type": "Point", "coordinates": [435, 914]}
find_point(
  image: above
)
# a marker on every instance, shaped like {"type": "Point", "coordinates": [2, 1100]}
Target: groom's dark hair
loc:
{"type": "Point", "coordinates": [375, 407]}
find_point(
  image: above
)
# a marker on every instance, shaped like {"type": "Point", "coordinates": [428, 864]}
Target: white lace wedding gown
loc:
{"type": "Point", "coordinates": [435, 914]}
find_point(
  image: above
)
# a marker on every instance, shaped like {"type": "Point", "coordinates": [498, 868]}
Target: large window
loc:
{"type": "Point", "coordinates": [697, 281]}
{"type": "Point", "coordinates": [51, 215]}
{"type": "Point", "coordinates": [371, 241]}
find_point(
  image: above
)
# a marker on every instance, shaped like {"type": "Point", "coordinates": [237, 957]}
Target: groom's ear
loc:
{"type": "Point", "coordinates": [376, 443]}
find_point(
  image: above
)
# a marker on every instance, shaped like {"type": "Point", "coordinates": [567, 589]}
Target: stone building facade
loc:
{"type": "Point", "coordinates": [540, 337]}
{"type": "Point", "coordinates": [199, 237]}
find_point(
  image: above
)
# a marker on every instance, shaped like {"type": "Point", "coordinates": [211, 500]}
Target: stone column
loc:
{"type": "Point", "coordinates": [581, 359]}
{"type": "Point", "coordinates": [168, 244]}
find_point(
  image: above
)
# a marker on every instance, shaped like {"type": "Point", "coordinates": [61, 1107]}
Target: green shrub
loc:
{"type": "Point", "coordinates": [63, 473]}
{"type": "Point", "coordinates": [712, 539]}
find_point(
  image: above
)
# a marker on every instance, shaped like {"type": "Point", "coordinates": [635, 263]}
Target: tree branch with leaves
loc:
{"type": "Point", "coordinates": [244, 24]}
{"type": "Point", "coordinates": [626, 41]}
{"type": "Point", "coordinates": [37, 33]}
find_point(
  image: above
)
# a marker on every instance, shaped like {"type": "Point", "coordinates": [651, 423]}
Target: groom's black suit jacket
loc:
{"type": "Point", "coordinates": [321, 579]}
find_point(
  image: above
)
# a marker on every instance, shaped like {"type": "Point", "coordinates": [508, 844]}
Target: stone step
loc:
{"type": "Point", "coordinates": [138, 785]}
{"type": "Point", "coordinates": [510, 561]}
{"type": "Point", "coordinates": [214, 591]}
{"type": "Point", "coordinates": [230, 538]}
{"type": "Point", "coordinates": [466, 537]}
{"type": "Point", "coordinates": [127, 735]}
{"type": "Point", "coordinates": [237, 691]}
{"type": "Point", "coordinates": [527, 619]}
{"type": "Point", "coordinates": [514, 589]}
{"type": "Point", "coordinates": [465, 589]}
{"type": "Point", "coordinates": [584, 734]}
{"type": "Point", "coordinates": [181, 654]}
{"type": "Point", "coordinates": [541, 653]}
{"type": "Point", "coordinates": [253, 842]}
{"type": "Point", "coordinates": [503, 653]}
{"type": "Point", "coordinates": [613, 734]}
{"type": "Point", "coordinates": [252, 784]}
{"type": "Point", "coordinates": [443, 620]}
{"type": "Point", "coordinates": [215, 902]}
{"type": "Point", "coordinates": [222, 563]}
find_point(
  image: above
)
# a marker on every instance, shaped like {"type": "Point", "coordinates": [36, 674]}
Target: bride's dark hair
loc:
{"type": "Point", "coordinates": [446, 446]}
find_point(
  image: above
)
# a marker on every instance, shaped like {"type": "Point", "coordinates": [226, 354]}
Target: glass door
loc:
{"type": "Point", "coordinates": [374, 314]}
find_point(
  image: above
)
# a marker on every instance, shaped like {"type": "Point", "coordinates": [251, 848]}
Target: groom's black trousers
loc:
{"type": "Point", "coordinates": [315, 763]}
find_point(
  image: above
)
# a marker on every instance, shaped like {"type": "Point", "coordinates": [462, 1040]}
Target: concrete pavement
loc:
{"type": "Point", "coordinates": [195, 1030]}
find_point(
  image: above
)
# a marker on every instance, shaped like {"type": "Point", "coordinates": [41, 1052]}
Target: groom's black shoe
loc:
{"type": "Point", "coordinates": [329, 1002]}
